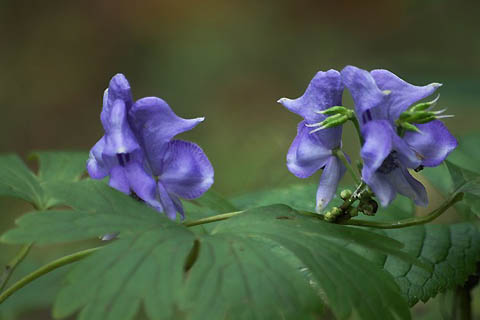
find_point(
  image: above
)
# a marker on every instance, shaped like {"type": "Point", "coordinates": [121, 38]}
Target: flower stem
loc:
{"type": "Point", "coordinates": [411, 221]}
{"type": "Point", "coordinates": [357, 127]}
{"type": "Point", "coordinates": [218, 217]}
{"type": "Point", "coordinates": [10, 267]}
{"type": "Point", "coordinates": [341, 155]}
{"type": "Point", "coordinates": [46, 269]}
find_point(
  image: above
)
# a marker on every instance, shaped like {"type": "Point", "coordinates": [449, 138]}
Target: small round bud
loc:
{"type": "Point", "coordinates": [345, 194]}
{"type": "Point", "coordinates": [329, 217]}
{"type": "Point", "coordinates": [336, 211]}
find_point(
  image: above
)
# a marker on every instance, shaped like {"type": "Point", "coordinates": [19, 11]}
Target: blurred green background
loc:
{"type": "Point", "coordinates": [226, 60]}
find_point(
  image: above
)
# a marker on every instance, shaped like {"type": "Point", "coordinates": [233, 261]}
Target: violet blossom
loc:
{"type": "Point", "coordinates": [312, 150]}
{"type": "Point", "coordinates": [380, 98]}
{"type": "Point", "coordinates": [139, 155]}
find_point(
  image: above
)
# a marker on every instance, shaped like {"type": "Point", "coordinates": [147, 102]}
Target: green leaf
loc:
{"type": "Point", "coordinates": [453, 250]}
{"type": "Point", "coordinates": [351, 283]}
{"type": "Point", "coordinates": [100, 210]}
{"type": "Point", "coordinates": [449, 178]}
{"type": "Point", "coordinates": [111, 283]}
{"type": "Point", "coordinates": [60, 166]}
{"type": "Point", "coordinates": [237, 277]}
{"type": "Point", "coordinates": [177, 276]}
{"type": "Point", "coordinates": [16, 180]}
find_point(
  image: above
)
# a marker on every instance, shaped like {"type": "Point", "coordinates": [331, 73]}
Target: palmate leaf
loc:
{"type": "Point", "coordinates": [177, 275]}
{"type": "Point", "coordinates": [453, 251]}
{"type": "Point", "coordinates": [234, 272]}
{"type": "Point", "coordinates": [351, 284]}
{"type": "Point", "coordinates": [16, 180]}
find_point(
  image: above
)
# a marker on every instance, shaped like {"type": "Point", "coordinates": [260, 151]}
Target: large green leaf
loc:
{"type": "Point", "coordinates": [351, 284]}
{"type": "Point", "coordinates": [452, 250]}
{"type": "Point", "coordinates": [237, 277]}
{"type": "Point", "coordinates": [177, 276]}
{"type": "Point", "coordinates": [111, 283]}
{"type": "Point", "coordinates": [234, 272]}
{"type": "Point", "coordinates": [16, 180]}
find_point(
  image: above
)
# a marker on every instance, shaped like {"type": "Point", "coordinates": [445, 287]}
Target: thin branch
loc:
{"type": "Point", "coordinates": [411, 221]}
{"type": "Point", "coordinates": [45, 269]}
{"type": "Point", "coordinates": [10, 267]}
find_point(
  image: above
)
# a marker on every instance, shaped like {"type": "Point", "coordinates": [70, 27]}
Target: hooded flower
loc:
{"type": "Point", "coordinates": [380, 97]}
{"type": "Point", "coordinates": [311, 151]}
{"type": "Point", "coordinates": [139, 155]}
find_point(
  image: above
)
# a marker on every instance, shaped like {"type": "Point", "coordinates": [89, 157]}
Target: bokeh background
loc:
{"type": "Point", "coordinates": [229, 61]}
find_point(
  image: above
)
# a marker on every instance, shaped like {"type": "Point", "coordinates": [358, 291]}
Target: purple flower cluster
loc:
{"type": "Point", "coordinates": [380, 97]}
{"type": "Point", "coordinates": [139, 154]}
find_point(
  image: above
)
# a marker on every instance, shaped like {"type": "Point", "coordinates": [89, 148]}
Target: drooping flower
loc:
{"type": "Point", "coordinates": [311, 151]}
{"type": "Point", "coordinates": [380, 97]}
{"type": "Point", "coordinates": [139, 155]}
{"type": "Point", "coordinates": [181, 168]}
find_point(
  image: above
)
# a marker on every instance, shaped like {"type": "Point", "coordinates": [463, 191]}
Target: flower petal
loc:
{"type": "Point", "coordinates": [307, 153]}
{"type": "Point", "coordinates": [185, 170]}
{"type": "Point", "coordinates": [178, 205]}
{"type": "Point", "coordinates": [324, 91]}
{"type": "Point", "coordinates": [96, 167]}
{"type": "Point", "coordinates": [383, 189]}
{"type": "Point", "coordinates": [365, 93]}
{"type": "Point", "coordinates": [118, 89]}
{"type": "Point", "coordinates": [403, 94]}
{"type": "Point", "coordinates": [408, 186]}
{"type": "Point", "coordinates": [118, 180]}
{"type": "Point", "coordinates": [119, 137]}
{"type": "Point", "coordinates": [378, 135]}
{"type": "Point", "coordinates": [142, 184]}
{"type": "Point", "coordinates": [331, 175]}
{"type": "Point", "coordinates": [405, 154]}
{"type": "Point", "coordinates": [433, 144]}
{"type": "Point", "coordinates": [167, 203]}
{"type": "Point", "coordinates": [155, 125]}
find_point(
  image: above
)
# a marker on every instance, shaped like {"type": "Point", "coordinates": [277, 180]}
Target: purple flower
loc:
{"type": "Point", "coordinates": [380, 97]}
{"type": "Point", "coordinates": [311, 151]}
{"type": "Point", "coordinates": [139, 155]}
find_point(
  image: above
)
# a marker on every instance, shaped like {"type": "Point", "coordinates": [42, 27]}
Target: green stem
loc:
{"type": "Point", "coordinates": [341, 155]}
{"type": "Point", "coordinates": [411, 221]}
{"type": "Point", "coordinates": [218, 217]}
{"type": "Point", "coordinates": [10, 267]}
{"type": "Point", "coordinates": [45, 269]}
{"type": "Point", "coordinates": [357, 127]}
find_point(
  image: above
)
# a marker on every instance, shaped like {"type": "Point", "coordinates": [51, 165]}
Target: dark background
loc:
{"type": "Point", "coordinates": [226, 60]}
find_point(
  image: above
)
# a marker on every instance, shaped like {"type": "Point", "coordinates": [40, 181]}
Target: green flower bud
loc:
{"type": "Point", "coordinates": [345, 194]}
{"type": "Point", "coordinates": [329, 217]}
